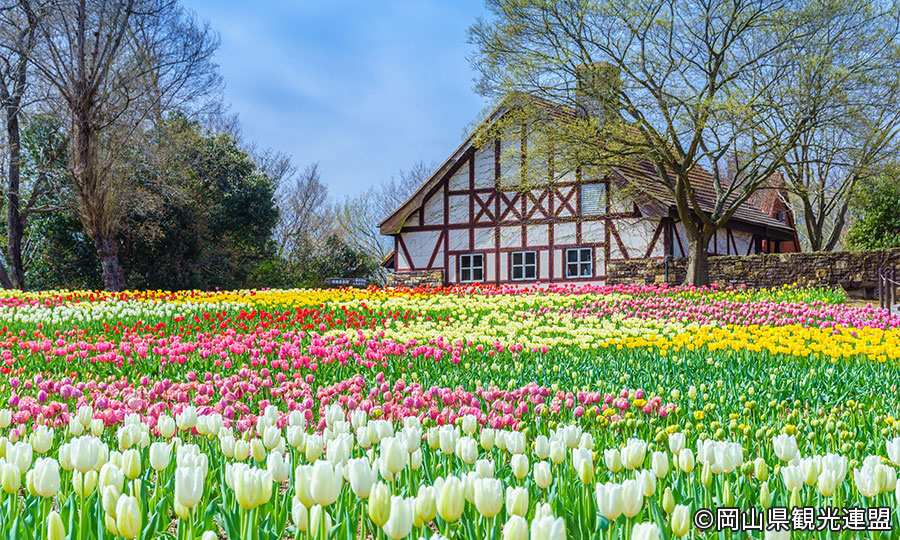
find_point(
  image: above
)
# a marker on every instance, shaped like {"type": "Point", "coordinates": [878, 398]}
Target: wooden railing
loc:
{"type": "Point", "coordinates": [887, 287]}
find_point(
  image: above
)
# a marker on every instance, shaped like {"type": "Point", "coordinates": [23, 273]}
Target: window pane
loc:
{"type": "Point", "coordinates": [466, 275]}
{"type": "Point", "coordinates": [572, 270]}
{"type": "Point", "coordinates": [478, 274]}
{"type": "Point", "coordinates": [478, 260]}
{"type": "Point", "coordinates": [465, 261]}
{"type": "Point", "coordinates": [585, 255]}
{"type": "Point", "coordinates": [530, 272]}
{"type": "Point", "coordinates": [516, 259]}
{"type": "Point", "coordinates": [572, 255]}
{"type": "Point", "coordinates": [517, 272]}
{"type": "Point", "coordinates": [530, 257]}
{"type": "Point", "coordinates": [586, 269]}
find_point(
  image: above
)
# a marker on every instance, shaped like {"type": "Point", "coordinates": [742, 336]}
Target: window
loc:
{"type": "Point", "coordinates": [524, 265]}
{"type": "Point", "coordinates": [579, 263]}
{"type": "Point", "coordinates": [593, 199]}
{"type": "Point", "coordinates": [471, 268]}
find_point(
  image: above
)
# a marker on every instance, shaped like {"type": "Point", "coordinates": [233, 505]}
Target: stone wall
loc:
{"type": "Point", "coordinates": [852, 270]}
{"type": "Point", "coordinates": [417, 278]}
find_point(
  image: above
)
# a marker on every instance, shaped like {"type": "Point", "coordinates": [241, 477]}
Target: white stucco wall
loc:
{"type": "Point", "coordinates": [743, 240]}
{"type": "Point", "coordinates": [510, 237]}
{"type": "Point", "coordinates": [420, 245]}
{"type": "Point", "coordinates": [434, 209]}
{"type": "Point", "coordinates": [484, 166]}
{"type": "Point", "coordinates": [459, 209]}
{"type": "Point", "coordinates": [538, 235]}
{"type": "Point", "coordinates": [564, 233]}
{"type": "Point", "coordinates": [485, 238]}
{"type": "Point", "coordinates": [593, 232]}
{"type": "Point", "coordinates": [460, 180]}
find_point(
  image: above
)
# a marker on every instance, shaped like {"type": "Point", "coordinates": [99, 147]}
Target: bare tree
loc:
{"type": "Point", "coordinates": [358, 216]}
{"type": "Point", "coordinates": [858, 127]}
{"type": "Point", "coordinates": [305, 217]}
{"type": "Point", "coordinates": [114, 65]}
{"type": "Point", "coordinates": [17, 43]}
{"type": "Point", "coordinates": [669, 88]}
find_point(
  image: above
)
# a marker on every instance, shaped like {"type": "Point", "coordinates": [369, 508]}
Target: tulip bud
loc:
{"type": "Point", "coordinates": [542, 476]}
{"type": "Point", "coordinates": [319, 523]}
{"type": "Point", "coordinates": [548, 528]}
{"type": "Point", "coordinates": [681, 520]}
{"type": "Point", "coordinates": [613, 460]}
{"type": "Point", "coordinates": [648, 482]}
{"type": "Point", "coordinates": [65, 457]}
{"type": "Point", "coordinates": [181, 511]}
{"type": "Point", "coordinates": [519, 466]}
{"type": "Point", "coordinates": [379, 504]}
{"type": "Point", "coordinates": [85, 453]}
{"type": "Point", "coordinates": [516, 528]}
{"type": "Point", "coordinates": [400, 520]}
{"type": "Point", "coordinates": [488, 496]}
{"type": "Point", "coordinates": [686, 461]}
{"type": "Point", "coordinates": [166, 426]}
{"type": "Point", "coordinates": [362, 477]}
{"type": "Point", "coordinates": [258, 450]}
{"type": "Point", "coordinates": [795, 498]}
{"type": "Point", "coordinates": [450, 498]}
{"type": "Point", "coordinates": [128, 517]}
{"type": "Point", "coordinates": [75, 427]}
{"type": "Point", "coordinates": [109, 498]}
{"type": "Point", "coordinates": [252, 487]}
{"type": "Point", "coordinates": [676, 443]}
{"type": "Point", "coordinates": [557, 452]}
{"type": "Point", "coordinates": [160, 455]}
{"type": "Point", "coordinates": [132, 463]}
{"type": "Point", "coordinates": [426, 504]}
{"type": "Point", "coordinates": [55, 528]}
{"type": "Point", "coordinates": [325, 483]}
{"type": "Point", "coordinates": [516, 501]}
{"type": "Point", "coordinates": [706, 475]}
{"type": "Point", "coordinates": [42, 439]}
{"type": "Point", "coordinates": [485, 468]}
{"type": "Point", "coordinates": [762, 469]}
{"type": "Point", "coordinates": [632, 497]}
{"type": "Point", "coordinates": [299, 514]}
{"type": "Point", "coordinates": [84, 483]}
{"type": "Point", "coordinates": [97, 427]}
{"type": "Point", "coordinates": [668, 501]}
{"type": "Point", "coordinates": [45, 477]}
{"type": "Point", "coordinates": [271, 437]}
{"type": "Point", "coordinates": [314, 448]}
{"type": "Point", "coordinates": [241, 450]}
{"type": "Point", "coordinates": [645, 531]}
{"type": "Point", "coordinates": [659, 464]}
{"type": "Point", "coordinates": [609, 500]}
{"type": "Point", "coordinates": [765, 497]}
{"type": "Point", "coordinates": [542, 447]}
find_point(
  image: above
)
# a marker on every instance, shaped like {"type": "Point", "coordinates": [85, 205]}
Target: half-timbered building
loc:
{"type": "Point", "coordinates": [478, 223]}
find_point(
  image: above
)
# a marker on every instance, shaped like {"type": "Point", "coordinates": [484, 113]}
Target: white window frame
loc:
{"type": "Point", "coordinates": [523, 265]}
{"type": "Point", "coordinates": [584, 260]}
{"type": "Point", "coordinates": [601, 203]}
{"type": "Point", "coordinates": [467, 264]}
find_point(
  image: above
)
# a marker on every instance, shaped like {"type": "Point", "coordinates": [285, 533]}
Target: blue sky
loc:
{"type": "Point", "coordinates": [365, 88]}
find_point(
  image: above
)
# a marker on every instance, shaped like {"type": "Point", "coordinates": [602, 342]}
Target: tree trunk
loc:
{"type": "Point", "coordinates": [698, 261]}
{"type": "Point", "coordinates": [108, 252]}
{"type": "Point", "coordinates": [14, 224]}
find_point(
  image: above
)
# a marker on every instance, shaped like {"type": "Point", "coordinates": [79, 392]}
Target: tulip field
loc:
{"type": "Point", "coordinates": [640, 412]}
